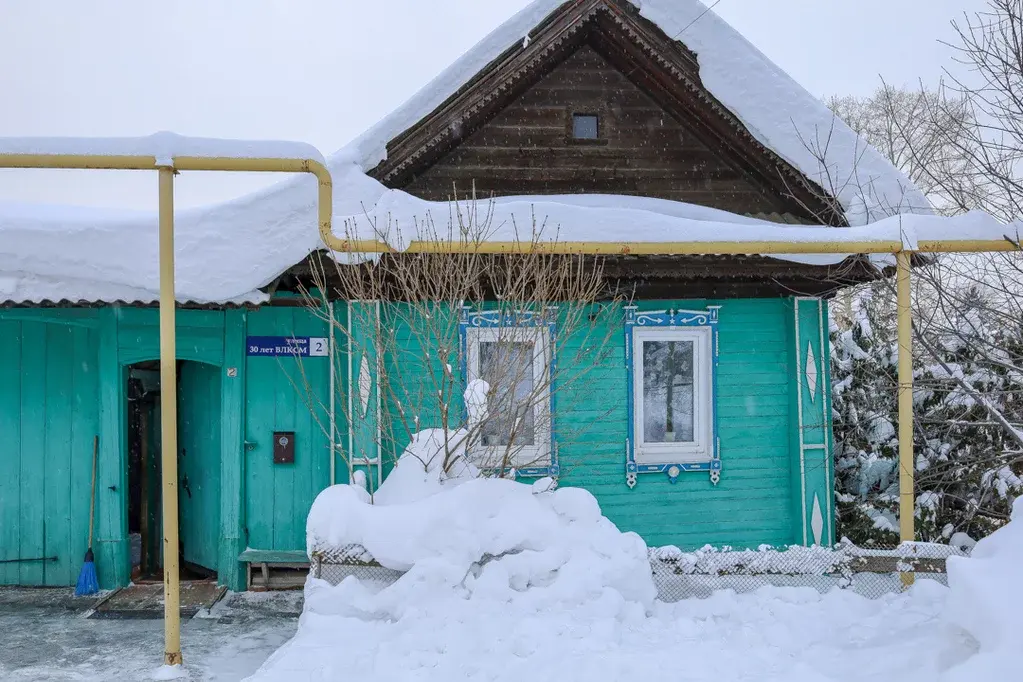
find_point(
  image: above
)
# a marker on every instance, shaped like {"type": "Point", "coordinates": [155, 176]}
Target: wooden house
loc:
{"type": "Point", "coordinates": [593, 104]}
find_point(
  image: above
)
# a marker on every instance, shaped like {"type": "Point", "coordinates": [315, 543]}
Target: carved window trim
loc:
{"type": "Point", "coordinates": [667, 321]}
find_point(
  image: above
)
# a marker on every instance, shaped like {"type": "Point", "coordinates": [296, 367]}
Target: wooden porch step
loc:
{"type": "Point", "coordinates": [274, 556]}
{"type": "Point", "coordinates": [274, 569]}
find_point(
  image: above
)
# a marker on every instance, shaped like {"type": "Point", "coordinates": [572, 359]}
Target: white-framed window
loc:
{"type": "Point", "coordinates": [673, 394]}
{"type": "Point", "coordinates": [515, 362]}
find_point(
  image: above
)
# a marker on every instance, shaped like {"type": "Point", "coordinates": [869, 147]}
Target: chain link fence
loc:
{"type": "Point", "coordinates": [678, 575]}
{"type": "Point", "coordinates": [871, 573]}
{"type": "Point", "coordinates": [334, 564]}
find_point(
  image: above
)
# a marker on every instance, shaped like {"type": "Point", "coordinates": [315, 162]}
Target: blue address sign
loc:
{"type": "Point", "coordinates": [287, 346]}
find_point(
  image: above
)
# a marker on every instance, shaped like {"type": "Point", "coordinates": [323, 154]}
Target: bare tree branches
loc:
{"type": "Point", "coordinates": [455, 327]}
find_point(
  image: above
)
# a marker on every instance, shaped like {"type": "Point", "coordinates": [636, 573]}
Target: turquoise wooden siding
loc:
{"type": "Point", "coordinates": [751, 504]}
{"type": "Point", "coordinates": [359, 402]}
{"type": "Point", "coordinates": [813, 478]}
{"type": "Point", "coordinates": [413, 398]}
{"type": "Point", "coordinates": [754, 502]}
{"type": "Point", "coordinates": [48, 417]}
{"type": "Point", "coordinates": [62, 380]}
{"type": "Point", "coordinates": [278, 496]}
{"type": "Point", "coordinates": [199, 463]}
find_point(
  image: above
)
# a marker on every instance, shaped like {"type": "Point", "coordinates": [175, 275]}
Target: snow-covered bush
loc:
{"type": "Point", "coordinates": [521, 322]}
{"type": "Point", "coordinates": [864, 400]}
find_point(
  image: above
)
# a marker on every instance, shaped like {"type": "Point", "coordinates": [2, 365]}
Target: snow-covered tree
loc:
{"type": "Point", "coordinates": [865, 417]}
{"type": "Point", "coordinates": [968, 465]}
{"type": "Point", "coordinates": [961, 144]}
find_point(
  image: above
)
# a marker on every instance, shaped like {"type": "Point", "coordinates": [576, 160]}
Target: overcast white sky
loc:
{"type": "Point", "coordinates": [321, 71]}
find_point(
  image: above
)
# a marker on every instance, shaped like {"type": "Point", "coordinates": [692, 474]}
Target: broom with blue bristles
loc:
{"type": "Point", "coordinates": [87, 583]}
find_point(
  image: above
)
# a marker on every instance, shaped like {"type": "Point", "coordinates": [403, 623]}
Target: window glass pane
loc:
{"type": "Point", "coordinates": [508, 368]}
{"type": "Point", "coordinates": [668, 391]}
{"type": "Point", "coordinates": [584, 126]}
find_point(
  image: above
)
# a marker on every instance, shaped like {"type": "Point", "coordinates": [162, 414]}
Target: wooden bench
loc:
{"type": "Point", "coordinates": [269, 569]}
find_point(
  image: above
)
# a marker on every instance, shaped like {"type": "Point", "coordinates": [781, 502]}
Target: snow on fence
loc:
{"type": "Point", "coordinates": [679, 575]}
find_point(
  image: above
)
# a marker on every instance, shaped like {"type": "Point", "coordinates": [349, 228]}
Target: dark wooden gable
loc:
{"type": "Point", "coordinates": [662, 134]}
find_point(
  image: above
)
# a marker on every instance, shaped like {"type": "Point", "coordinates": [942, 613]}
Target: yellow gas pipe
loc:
{"type": "Point", "coordinates": [167, 357]}
{"type": "Point", "coordinates": [168, 354]}
{"type": "Point", "coordinates": [907, 501]}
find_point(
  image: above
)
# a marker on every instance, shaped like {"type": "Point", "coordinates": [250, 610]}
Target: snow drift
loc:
{"type": "Point", "coordinates": [483, 535]}
{"type": "Point", "coordinates": [986, 601]}
{"type": "Point", "coordinates": [507, 581]}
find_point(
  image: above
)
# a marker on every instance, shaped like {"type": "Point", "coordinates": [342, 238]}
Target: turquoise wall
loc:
{"type": "Point", "coordinates": [285, 394]}
{"type": "Point", "coordinates": [751, 503]}
{"type": "Point", "coordinates": [46, 452]}
{"type": "Point", "coordinates": [755, 501]}
{"type": "Point", "coordinates": [62, 381]}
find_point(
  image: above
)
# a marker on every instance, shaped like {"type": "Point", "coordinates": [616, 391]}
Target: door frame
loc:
{"type": "Point", "coordinates": [229, 357]}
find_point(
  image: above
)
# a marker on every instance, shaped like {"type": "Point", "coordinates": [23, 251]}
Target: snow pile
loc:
{"type": "Point", "coordinates": [508, 582]}
{"type": "Point", "coordinates": [491, 538]}
{"type": "Point", "coordinates": [434, 518]}
{"type": "Point", "coordinates": [774, 635]}
{"type": "Point", "coordinates": [986, 601]}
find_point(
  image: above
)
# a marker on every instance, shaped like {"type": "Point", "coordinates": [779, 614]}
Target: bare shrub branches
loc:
{"type": "Point", "coordinates": [507, 327]}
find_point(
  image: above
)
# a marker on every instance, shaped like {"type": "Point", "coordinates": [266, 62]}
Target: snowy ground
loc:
{"type": "Point", "coordinates": [510, 582]}
{"type": "Point", "coordinates": [44, 638]}
{"type": "Point", "coordinates": [790, 634]}
{"type": "Point", "coordinates": [777, 633]}
{"type": "Point", "coordinates": [504, 581]}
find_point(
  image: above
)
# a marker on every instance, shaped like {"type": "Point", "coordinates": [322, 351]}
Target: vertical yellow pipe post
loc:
{"type": "Point", "coordinates": [169, 423]}
{"type": "Point", "coordinates": [907, 504]}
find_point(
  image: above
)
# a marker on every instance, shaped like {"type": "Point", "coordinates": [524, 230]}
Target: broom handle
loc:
{"type": "Point", "coordinates": [92, 499]}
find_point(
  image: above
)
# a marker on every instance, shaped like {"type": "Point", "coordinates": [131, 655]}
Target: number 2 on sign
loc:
{"type": "Point", "coordinates": [318, 347]}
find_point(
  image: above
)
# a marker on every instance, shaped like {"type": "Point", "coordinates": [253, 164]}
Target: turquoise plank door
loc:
{"type": "Point", "coordinates": [199, 463]}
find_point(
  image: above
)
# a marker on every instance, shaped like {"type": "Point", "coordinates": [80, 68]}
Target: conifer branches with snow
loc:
{"type": "Point", "coordinates": [968, 399]}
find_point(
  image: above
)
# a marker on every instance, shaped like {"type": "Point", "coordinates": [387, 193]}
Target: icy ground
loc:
{"type": "Point", "coordinates": [43, 638]}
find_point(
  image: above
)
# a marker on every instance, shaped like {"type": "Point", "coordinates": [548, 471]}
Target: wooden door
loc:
{"type": "Point", "coordinates": [199, 463]}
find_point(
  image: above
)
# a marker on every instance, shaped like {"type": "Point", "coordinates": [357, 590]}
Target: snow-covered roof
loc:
{"type": "Point", "coordinates": [225, 253]}
{"type": "Point", "coordinates": [163, 146]}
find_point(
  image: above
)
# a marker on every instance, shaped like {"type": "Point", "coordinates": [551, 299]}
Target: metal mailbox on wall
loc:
{"type": "Point", "coordinates": [284, 447]}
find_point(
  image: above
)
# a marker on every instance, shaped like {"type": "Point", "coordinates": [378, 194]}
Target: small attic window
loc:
{"type": "Point", "coordinates": [585, 126]}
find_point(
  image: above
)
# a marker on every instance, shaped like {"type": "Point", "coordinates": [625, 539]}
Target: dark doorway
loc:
{"type": "Point", "coordinates": [198, 470]}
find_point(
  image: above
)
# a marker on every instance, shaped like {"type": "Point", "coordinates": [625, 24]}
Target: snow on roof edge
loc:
{"type": "Point", "coordinates": [281, 219]}
{"type": "Point", "coordinates": [164, 146]}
